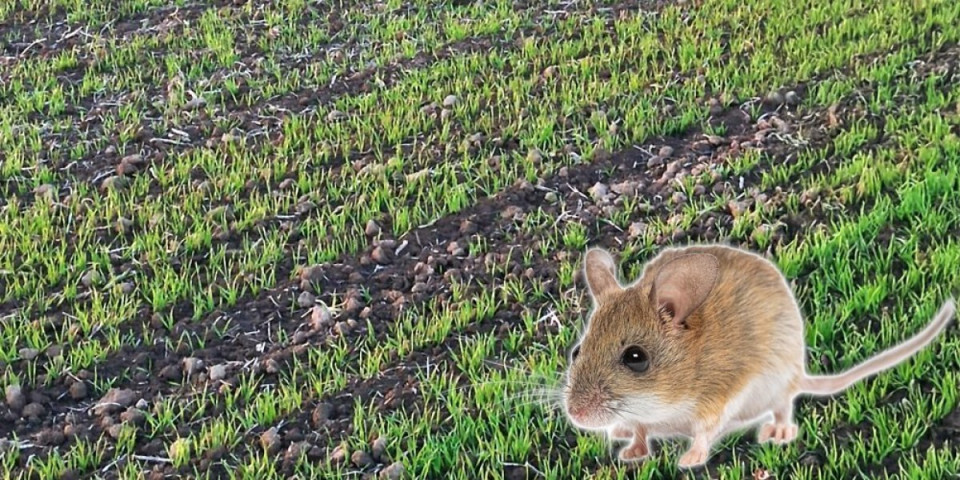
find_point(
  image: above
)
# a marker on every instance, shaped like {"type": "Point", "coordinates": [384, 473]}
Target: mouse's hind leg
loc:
{"type": "Point", "coordinates": [783, 429]}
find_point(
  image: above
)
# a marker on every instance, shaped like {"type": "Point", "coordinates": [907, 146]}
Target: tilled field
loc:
{"type": "Point", "coordinates": [314, 239]}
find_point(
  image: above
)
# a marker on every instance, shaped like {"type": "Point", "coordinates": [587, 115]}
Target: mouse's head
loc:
{"type": "Point", "coordinates": [626, 365]}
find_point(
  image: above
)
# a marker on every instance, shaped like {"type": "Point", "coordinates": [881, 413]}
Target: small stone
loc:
{"type": "Point", "coordinates": [228, 138]}
{"type": "Point", "coordinates": [699, 190]}
{"type": "Point", "coordinates": [792, 98]}
{"type": "Point", "coordinates": [655, 161]}
{"type": "Point", "coordinates": [774, 98]}
{"type": "Point", "coordinates": [195, 103]}
{"type": "Point", "coordinates": [338, 455]}
{"type": "Point", "coordinates": [90, 278]}
{"type": "Point", "coordinates": [716, 107]}
{"type": "Point", "coordinates": [381, 255]}
{"type": "Point", "coordinates": [341, 328]}
{"type": "Point", "coordinates": [295, 451]}
{"type": "Point", "coordinates": [336, 115]}
{"type": "Point", "coordinates": [115, 430]}
{"type": "Point", "coordinates": [810, 460]}
{"type": "Point", "coordinates": [46, 190]}
{"type": "Point", "coordinates": [270, 440]}
{"type": "Point", "coordinates": [394, 471]}
{"type": "Point", "coordinates": [130, 164]}
{"type": "Point", "coordinates": [666, 151]}
{"type": "Point", "coordinates": [29, 354]}
{"type": "Point", "coordinates": [352, 304]}
{"type": "Point", "coordinates": [627, 188]}
{"type": "Point", "coordinates": [15, 398]}
{"type": "Point", "coordinates": [551, 197]}
{"type": "Point", "coordinates": [171, 372]}
{"type": "Point", "coordinates": [114, 401]}
{"type": "Point", "coordinates": [142, 404]}
{"type": "Point", "coordinates": [320, 317]}
{"type": "Point", "coordinates": [445, 113]}
{"type": "Point", "coordinates": [637, 229]}
{"type": "Point", "coordinates": [127, 288]}
{"type": "Point", "coordinates": [429, 109]}
{"type": "Point", "coordinates": [450, 101]}
{"type": "Point", "coordinates": [672, 168]}
{"type": "Point", "coordinates": [299, 338]}
{"type": "Point", "coordinates": [33, 410]}
{"type": "Point", "coordinates": [549, 71]}
{"type": "Point", "coordinates": [736, 208]}
{"type": "Point", "coordinates": [113, 182]}
{"type": "Point", "coordinates": [272, 366]}
{"type": "Point", "coordinates": [361, 459]}
{"type": "Point", "coordinates": [306, 299]}
{"type": "Point", "coordinates": [715, 141]}
{"type": "Point", "coordinates": [124, 225]}
{"type": "Point", "coordinates": [467, 227]}
{"type": "Point", "coordinates": [287, 184]}
{"type": "Point", "coordinates": [312, 273]}
{"type": "Point", "coordinates": [379, 448]}
{"type": "Point", "coordinates": [217, 373]}
{"type": "Point", "coordinates": [534, 156]}
{"type": "Point", "coordinates": [453, 248]}
{"type": "Point", "coordinates": [372, 229]}
{"type": "Point", "coordinates": [78, 390]}
{"type": "Point", "coordinates": [679, 197]}
{"type": "Point", "coordinates": [599, 192]}
{"type": "Point", "coordinates": [192, 365]}
{"type": "Point", "coordinates": [512, 212]}
{"type": "Point", "coordinates": [133, 416]}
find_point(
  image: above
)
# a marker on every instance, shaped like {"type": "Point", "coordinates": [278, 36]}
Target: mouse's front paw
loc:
{"type": "Point", "coordinates": [779, 433]}
{"type": "Point", "coordinates": [621, 433]}
{"type": "Point", "coordinates": [638, 450]}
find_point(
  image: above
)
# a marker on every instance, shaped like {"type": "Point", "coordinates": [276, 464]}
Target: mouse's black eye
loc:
{"type": "Point", "coordinates": [636, 359]}
{"type": "Point", "coordinates": [575, 352]}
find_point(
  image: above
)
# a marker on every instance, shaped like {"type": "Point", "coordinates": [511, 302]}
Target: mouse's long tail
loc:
{"type": "Point", "coordinates": [831, 384]}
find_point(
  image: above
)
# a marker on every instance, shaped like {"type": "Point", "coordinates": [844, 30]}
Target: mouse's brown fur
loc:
{"type": "Point", "coordinates": [724, 338]}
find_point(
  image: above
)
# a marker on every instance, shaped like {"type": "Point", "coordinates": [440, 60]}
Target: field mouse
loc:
{"type": "Point", "coordinates": [709, 340]}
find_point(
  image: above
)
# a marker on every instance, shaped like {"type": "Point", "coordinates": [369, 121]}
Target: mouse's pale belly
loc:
{"type": "Point", "coordinates": [762, 394]}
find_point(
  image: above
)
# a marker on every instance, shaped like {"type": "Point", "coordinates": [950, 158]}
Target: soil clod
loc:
{"type": "Point", "coordinates": [115, 401]}
{"type": "Point", "coordinates": [15, 398]}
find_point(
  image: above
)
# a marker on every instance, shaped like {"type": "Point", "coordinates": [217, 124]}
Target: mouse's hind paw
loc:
{"type": "Point", "coordinates": [693, 458]}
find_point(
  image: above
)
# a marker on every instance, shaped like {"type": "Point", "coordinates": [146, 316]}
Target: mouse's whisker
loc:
{"type": "Point", "coordinates": [539, 396]}
{"type": "Point", "coordinates": [505, 382]}
{"type": "Point", "coordinates": [547, 405]}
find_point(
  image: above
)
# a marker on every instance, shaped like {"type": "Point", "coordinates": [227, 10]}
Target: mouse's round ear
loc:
{"type": "Point", "coordinates": [683, 284]}
{"type": "Point", "coordinates": [601, 274]}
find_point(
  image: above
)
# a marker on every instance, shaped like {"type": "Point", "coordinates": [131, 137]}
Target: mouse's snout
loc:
{"type": "Point", "coordinates": [588, 407]}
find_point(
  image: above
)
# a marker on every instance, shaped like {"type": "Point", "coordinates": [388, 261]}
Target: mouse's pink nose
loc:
{"type": "Point", "coordinates": [578, 412]}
